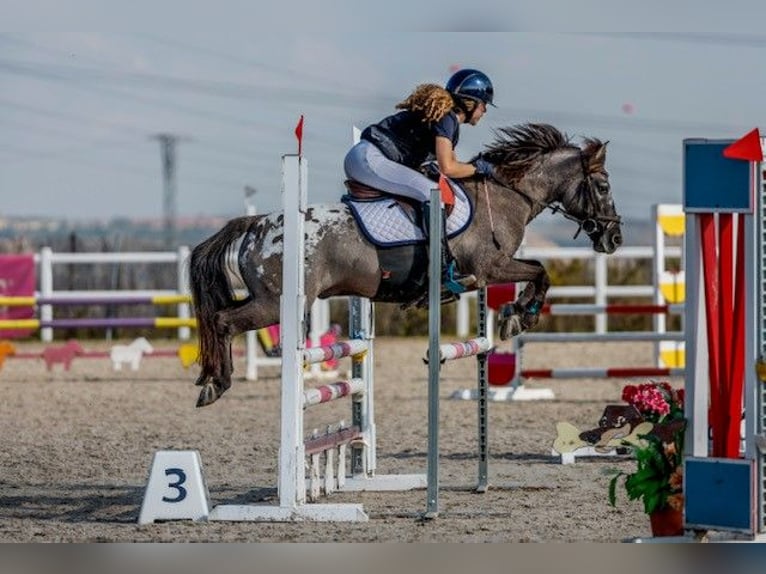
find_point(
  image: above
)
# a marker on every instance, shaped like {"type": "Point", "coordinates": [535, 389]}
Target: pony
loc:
{"type": "Point", "coordinates": [130, 354]}
{"type": "Point", "coordinates": [63, 354]}
{"type": "Point", "coordinates": [535, 167]}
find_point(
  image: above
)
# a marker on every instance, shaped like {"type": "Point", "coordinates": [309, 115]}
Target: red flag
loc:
{"type": "Point", "coordinates": [299, 135]}
{"type": "Point", "coordinates": [748, 147]}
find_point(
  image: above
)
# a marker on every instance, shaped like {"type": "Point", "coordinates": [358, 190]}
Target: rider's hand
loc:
{"type": "Point", "coordinates": [483, 167]}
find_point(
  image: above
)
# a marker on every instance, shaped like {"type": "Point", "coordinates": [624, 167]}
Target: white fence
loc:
{"type": "Point", "coordinates": [46, 259]}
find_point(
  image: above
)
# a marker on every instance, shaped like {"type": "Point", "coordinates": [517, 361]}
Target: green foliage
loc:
{"type": "Point", "coordinates": [658, 478]}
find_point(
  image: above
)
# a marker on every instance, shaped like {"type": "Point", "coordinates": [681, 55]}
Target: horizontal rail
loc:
{"type": "Point", "coordinates": [112, 257]}
{"type": "Point", "coordinates": [599, 373]}
{"type": "Point", "coordinates": [451, 351]}
{"type": "Point", "coordinates": [611, 309]}
{"type": "Point", "coordinates": [84, 299]}
{"type": "Point", "coordinates": [332, 391]}
{"type": "Point", "coordinates": [587, 337]}
{"type": "Point", "coordinates": [335, 351]}
{"type": "Point", "coordinates": [319, 444]}
{"type": "Point", "coordinates": [99, 323]}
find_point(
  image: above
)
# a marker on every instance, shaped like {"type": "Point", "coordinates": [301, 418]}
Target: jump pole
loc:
{"type": "Point", "coordinates": [438, 353]}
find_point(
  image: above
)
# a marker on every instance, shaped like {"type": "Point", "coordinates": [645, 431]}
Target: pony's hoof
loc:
{"type": "Point", "coordinates": [208, 395]}
{"type": "Point", "coordinates": [510, 327]}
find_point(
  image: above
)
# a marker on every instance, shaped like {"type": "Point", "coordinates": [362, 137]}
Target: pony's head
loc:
{"type": "Point", "coordinates": [538, 162]}
{"type": "Point", "coordinates": [143, 345]}
{"type": "Point", "coordinates": [593, 201]}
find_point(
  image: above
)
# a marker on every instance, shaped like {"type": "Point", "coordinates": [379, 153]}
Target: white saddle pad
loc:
{"type": "Point", "coordinates": [386, 223]}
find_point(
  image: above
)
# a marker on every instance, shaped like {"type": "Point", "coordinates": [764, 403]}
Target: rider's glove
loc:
{"type": "Point", "coordinates": [483, 167]}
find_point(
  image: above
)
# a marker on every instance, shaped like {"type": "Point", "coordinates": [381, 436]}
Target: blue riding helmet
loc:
{"type": "Point", "coordinates": [472, 84]}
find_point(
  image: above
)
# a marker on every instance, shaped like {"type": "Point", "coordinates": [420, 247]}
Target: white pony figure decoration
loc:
{"type": "Point", "coordinates": [130, 354]}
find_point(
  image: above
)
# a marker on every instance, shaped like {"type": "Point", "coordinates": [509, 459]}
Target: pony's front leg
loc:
{"type": "Point", "coordinates": [524, 313]}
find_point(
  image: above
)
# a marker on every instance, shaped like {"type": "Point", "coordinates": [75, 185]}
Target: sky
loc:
{"type": "Point", "coordinates": [81, 112]}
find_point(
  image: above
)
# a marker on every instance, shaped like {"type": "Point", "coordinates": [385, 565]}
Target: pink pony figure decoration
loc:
{"type": "Point", "coordinates": [62, 354]}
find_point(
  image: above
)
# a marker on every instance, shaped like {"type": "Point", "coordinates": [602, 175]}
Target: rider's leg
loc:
{"type": "Point", "coordinates": [452, 280]}
{"type": "Point", "coordinates": [367, 164]}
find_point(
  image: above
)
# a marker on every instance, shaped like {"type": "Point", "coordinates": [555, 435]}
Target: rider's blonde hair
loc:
{"type": "Point", "coordinates": [432, 101]}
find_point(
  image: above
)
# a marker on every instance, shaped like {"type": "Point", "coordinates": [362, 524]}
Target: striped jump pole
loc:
{"type": "Point", "coordinates": [352, 348]}
{"type": "Point", "coordinates": [470, 348]}
{"type": "Point", "coordinates": [332, 391]}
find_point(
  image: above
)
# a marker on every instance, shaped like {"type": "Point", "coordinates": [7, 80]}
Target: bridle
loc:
{"type": "Point", "coordinates": [595, 224]}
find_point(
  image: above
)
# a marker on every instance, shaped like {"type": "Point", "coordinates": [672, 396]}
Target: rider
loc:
{"type": "Point", "coordinates": [391, 153]}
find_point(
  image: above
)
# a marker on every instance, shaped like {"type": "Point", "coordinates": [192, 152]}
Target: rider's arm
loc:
{"type": "Point", "coordinates": [448, 162]}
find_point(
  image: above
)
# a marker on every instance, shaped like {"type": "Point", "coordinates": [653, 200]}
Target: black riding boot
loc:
{"type": "Point", "coordinates": [453, 282]}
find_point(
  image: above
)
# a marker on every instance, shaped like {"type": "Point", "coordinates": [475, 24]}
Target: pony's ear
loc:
{"type": "Point", "coordinates": [598, 158]}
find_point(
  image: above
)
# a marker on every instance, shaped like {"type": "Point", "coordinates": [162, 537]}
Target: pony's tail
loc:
{"type": "Point", "coordinates": [210, 289]}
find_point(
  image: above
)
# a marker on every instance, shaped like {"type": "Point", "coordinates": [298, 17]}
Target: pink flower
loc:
{"type": "Point", "coordinates": [649, 399]}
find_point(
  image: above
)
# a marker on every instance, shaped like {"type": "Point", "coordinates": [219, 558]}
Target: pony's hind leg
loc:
{"type": "Point", "coordinates": [215, 349]}
{"type": "Point", "coordinates": [247, 316]}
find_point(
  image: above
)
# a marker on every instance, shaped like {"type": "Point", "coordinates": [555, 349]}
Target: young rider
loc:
{"type": "Point", "coordinates": [391, 153]}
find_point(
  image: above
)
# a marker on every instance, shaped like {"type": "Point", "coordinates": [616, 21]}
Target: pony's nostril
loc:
{"type": "Point", "coordinates": [617, 240]}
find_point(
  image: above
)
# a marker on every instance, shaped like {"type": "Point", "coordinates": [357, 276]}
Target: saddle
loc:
{"type": "Point", "coordinates": [363, 192]}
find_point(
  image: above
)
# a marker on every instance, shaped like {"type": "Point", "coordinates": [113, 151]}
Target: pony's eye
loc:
{"type": "Point", "coordinates": [603, 187]}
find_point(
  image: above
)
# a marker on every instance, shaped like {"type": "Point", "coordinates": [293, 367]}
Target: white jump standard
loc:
{"type": "Point", "coordinates": [361, 436]}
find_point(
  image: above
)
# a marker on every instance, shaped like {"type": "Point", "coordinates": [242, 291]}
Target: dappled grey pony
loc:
{"type": "Point", "coordinates": [536, 167]}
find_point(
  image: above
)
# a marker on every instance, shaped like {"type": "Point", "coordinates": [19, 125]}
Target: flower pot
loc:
{"type": "Point", "coordinates": [667, 522]}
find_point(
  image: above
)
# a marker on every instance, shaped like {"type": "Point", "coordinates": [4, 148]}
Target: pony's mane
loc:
{"type": "Point", "coordinates": [516, 147]}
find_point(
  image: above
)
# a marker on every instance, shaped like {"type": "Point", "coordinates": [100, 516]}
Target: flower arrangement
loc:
{"type": "Point", "coordinates": [658, 478]}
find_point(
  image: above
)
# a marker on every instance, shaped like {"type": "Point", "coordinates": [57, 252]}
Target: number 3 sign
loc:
{"type": "Point", "coordinates": [176, 489]}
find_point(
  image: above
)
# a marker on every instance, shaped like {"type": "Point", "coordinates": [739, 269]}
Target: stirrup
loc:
{"type": "Point", "coordinates": [456, 283]}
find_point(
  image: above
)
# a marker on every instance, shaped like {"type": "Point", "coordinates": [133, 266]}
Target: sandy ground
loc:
{"type": "Point", "coordinates": [78, 446]}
